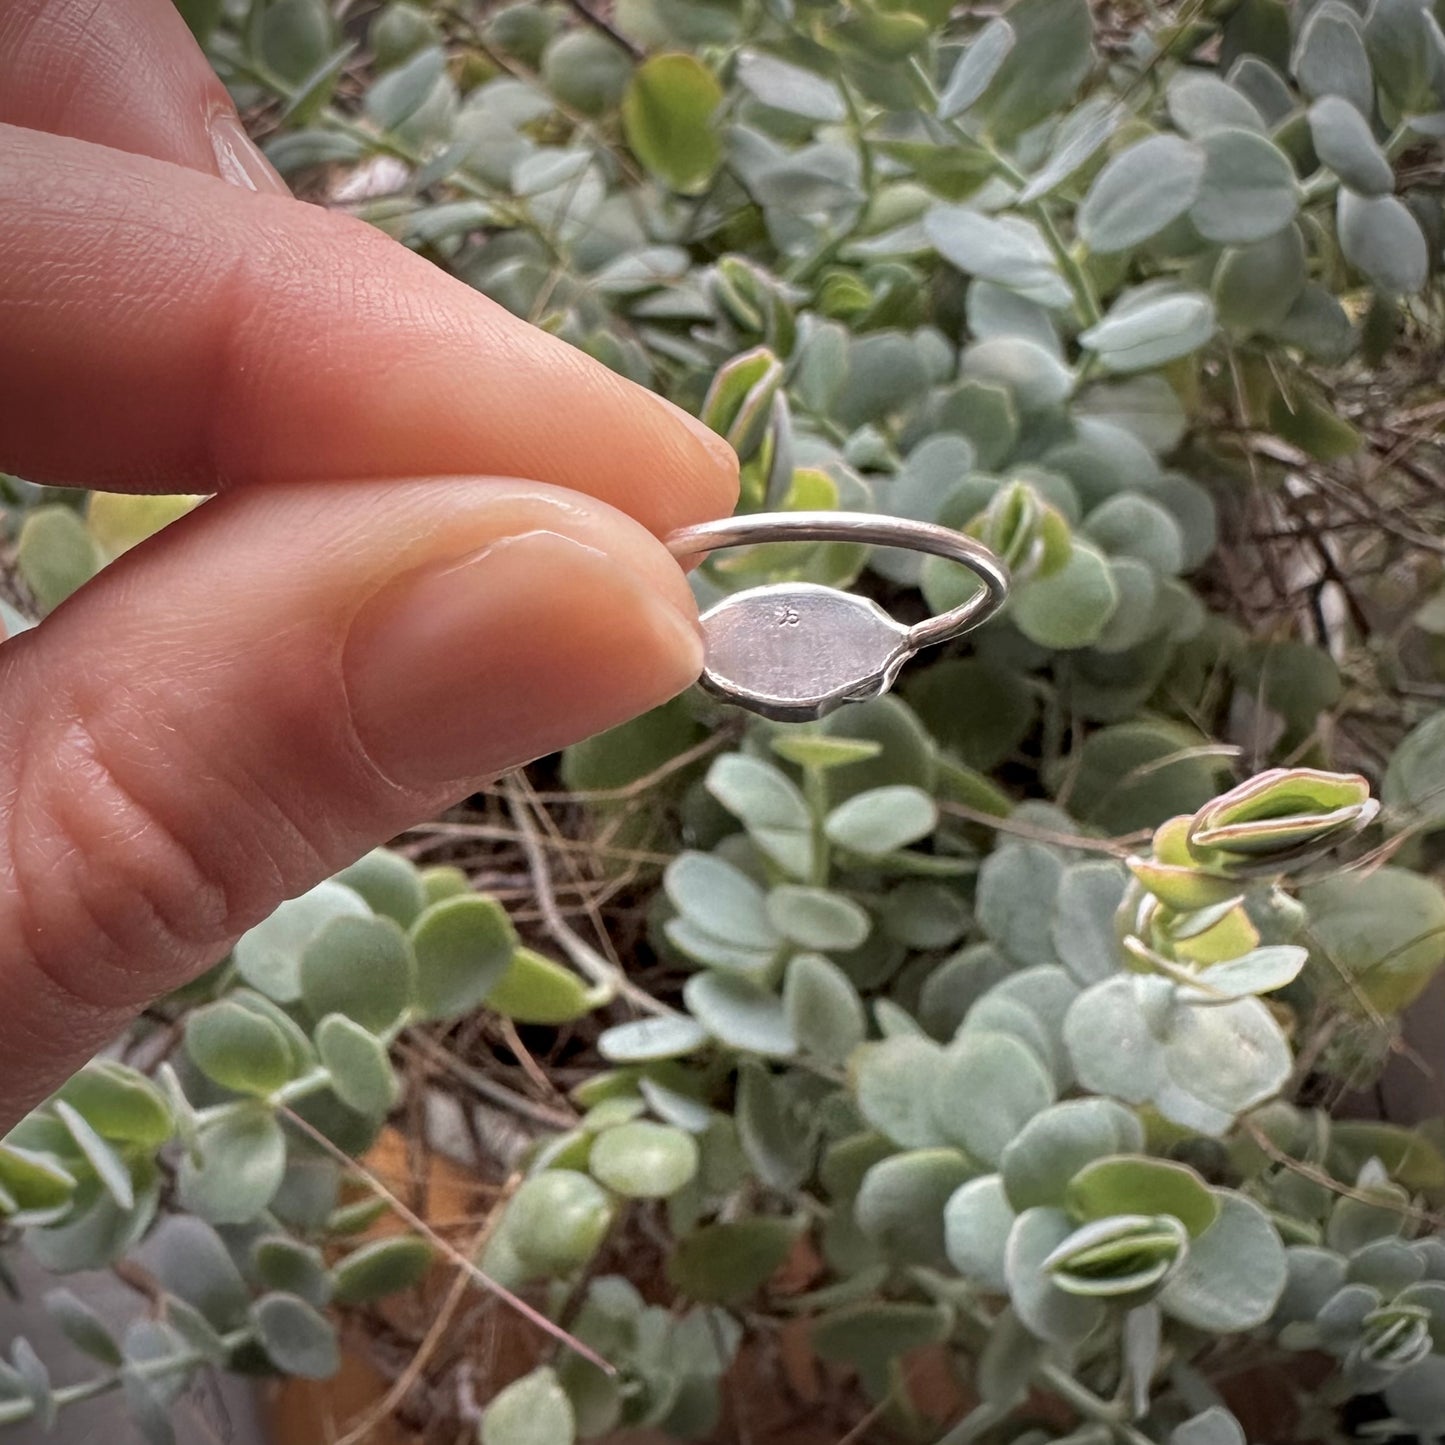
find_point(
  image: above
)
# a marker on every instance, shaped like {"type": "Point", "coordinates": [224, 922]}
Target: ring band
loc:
{"type": "Point", "coordinates": [793, 651]}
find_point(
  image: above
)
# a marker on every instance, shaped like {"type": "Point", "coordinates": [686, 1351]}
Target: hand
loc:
{"type": "Point", "coordinates": [371, 617]}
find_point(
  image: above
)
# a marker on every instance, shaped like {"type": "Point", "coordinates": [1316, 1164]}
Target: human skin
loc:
{"type": "Point", "coordinates": [432, 553]}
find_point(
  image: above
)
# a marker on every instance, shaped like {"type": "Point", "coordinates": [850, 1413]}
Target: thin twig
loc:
{"type": "Point", "coordinates": [586, 959]}
{"type": "Point", "coordinates": [445, 1247]}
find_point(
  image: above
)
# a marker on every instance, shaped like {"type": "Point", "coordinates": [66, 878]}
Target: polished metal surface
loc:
{"type": "Point", "coordinates": [793, 651]}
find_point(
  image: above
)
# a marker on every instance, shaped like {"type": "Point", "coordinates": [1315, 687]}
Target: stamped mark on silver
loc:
{"type": "Point", "coordinates": [794, 651]}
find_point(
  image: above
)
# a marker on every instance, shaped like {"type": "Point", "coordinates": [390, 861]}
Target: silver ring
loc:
{"type": "Point", "coordinates": [793, 651]}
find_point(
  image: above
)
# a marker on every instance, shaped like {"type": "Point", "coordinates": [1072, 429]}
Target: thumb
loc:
{"type": "Point", "coordinates": [276, 683]}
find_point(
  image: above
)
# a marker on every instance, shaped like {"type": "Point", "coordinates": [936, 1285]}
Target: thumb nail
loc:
{"type": "Point", "coordinates": [475, 666]}
{"type": "Point", "coordinates": [239, 159]}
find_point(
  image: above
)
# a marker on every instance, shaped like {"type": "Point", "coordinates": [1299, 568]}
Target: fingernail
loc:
{"type": "Point", "coordinates": [239, 159]}
{"type": "Point", "coordinates": [715, 445]}
{"type": "Point", "coordinates": [468, 668]}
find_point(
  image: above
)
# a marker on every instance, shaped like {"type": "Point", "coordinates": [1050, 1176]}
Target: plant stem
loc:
{"type": "Point", "coordinates": [13, 1411]}
{"type": "Point", "coordinates": [1088, 1404]}
{"type": "Point", "coordinates": [1073, 272]}
{"type": "Point", "coordinates": [815, 790]}
{"type": "Point", "coordinates": [609, 981]}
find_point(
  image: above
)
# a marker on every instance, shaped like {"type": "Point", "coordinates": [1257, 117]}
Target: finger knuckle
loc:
{"type": "Point", "coordinates": [109, 893]}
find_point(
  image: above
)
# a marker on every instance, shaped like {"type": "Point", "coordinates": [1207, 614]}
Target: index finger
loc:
{"type": "Point", "coordinates": [128, 74]}
{"type": "Point", "coordinates": [162, 330]}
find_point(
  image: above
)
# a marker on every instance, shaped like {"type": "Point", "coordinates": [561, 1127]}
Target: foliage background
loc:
{"type": "Point", "coordinates": [794, 1058]}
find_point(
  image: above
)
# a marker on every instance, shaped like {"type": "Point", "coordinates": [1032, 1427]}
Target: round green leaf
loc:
{"type": "Point", "coordinates": [789, 87]}
{"type": "Point", "coordinates": [1263, 86]}
{"type": "Point", "coordinates": [534, 1410]}
{"type": "Point", "coordinates": [642, 1160]}
{"type": "Point", "coordinates": [1015, 898]}
{"type": "Point", "coordinates": [463, 946]}
{"type": "Point", "coordinates": [774, 1138]}
{"type": "Point", "coordinates": [1200, 103]}
{"type": "Point", "coordinates": [721, 900]}
{"type": "Point", "coordinates": [360, 967]}
{"type": "Point", "coordinates": [1219, 1061]}
{"type": "Point", "coordinates": [1080, 136]}
{"type": "Point", "coordinates": [878, 1331]}
{"type": "Point", "coordinates": [981, 737]}
{"type": "Point", "coordinates": [1378, 935]}
{"type": "Point", "coordinates": [535, 990]}
{"type": "Point", "coordinates": [389, 883]}
{"type": "Point", "coordinates": [1193, 509]}
{"type": "Point", "coordinates": [738, 1013]}
{"type": "Point", "coordinates": [999, 1069]}
{"type": "Point", "coordinates": [188, 1258]}
{"type": "Point", "coordinates": [727, 1263]}
{"type": "Point", "coordinates": [813, 750]}
{"type": "Point", "coordinates": [108, 1166]}
{"type": "Point", "coordinates": [282, 1263]}
{"type": "Point", "coordinates": [1398, 37]}
{"type": "Point", "coordinates": [1004, 249]}
{"type": "Point", "coordinates": [816, 918]}
{"type": "Point", "coordinates": [268, 956]}
{"type": "Point", "coordinates": [1313, 1276]}
{"type": "Point", "coordinates": [82, 1326]}
{"type": "Point", "coordinates": [238, 1049]}
{"type": "Point", "coordinates": [975, 69]}
{"type": "Point", "coordinates": [1330, 57]}
{"type": "Point", "coordinates": [1417, 1396]}
{"type": "Point", "coordinates": [977, 1221]}
{"type": "Point", "coordinates": [894, 1081]}
{"type": "Point", "coordinates": [1052, 53]}
{"type": "Point", "coordinates": [1234, 1273]}
{"type": "Point", "coordinates": [1111, 1043]}
{"type": "Point", "coordinates": [1383, 241]}
{"type": "Point", "coordinates": [901, 1201]}
{"type": "Point", "coordinates": [925, 915]}
{"type": "Point", "coordinates": [1415, 777]}
{"type": "Point", "coordinates": [120, 1103]}
{"type": "Point", "coordinates": [1135, 1184]}
{"type": "Point", "coordinates": [882, 820]}
{"type": "Point", "coordinates": [556, 1220]}
{"type": "Point", "coordinates": [768, 804]}
{"type": "Point", "coordinates": [32, 1182]}
{"type": "Point", "coordinates": [649, 1039]}
{"type": "Point", "coordinates": [1150, 325]}
{"type": "Point", "coordinates": [1056, 1144]}
{"type": "Point", "coordinates": [1128, 525]}
{"type": "Point", "coordinates": [297, 1340]}
{"type": "Point", "coordinates": [667, 116]}
{"type": "Point", "coordinates": [1140, 192]}
{"type": "Point", "coordinates": [1082, 928]}
{"type": "Point", "coordinates": [1255, 286]}
{"type": "Point", "coordinates": [55, 554]}
{"type": "Point", "coordinates": [823, 1008]}
{"type": "Point", "coordinates": [1135, 775]}
{"type": "Point", "coordinates": [383, 1267]}
{"type": "Point", "coordinates": [242, 1158]}
{"type": "Point", "coordinates": [1032, 375]}
{"type": "Point", "coordinates": [361, 1073]}
{"type": "Point", "coordinates": [1070, 608]}
{"type": "Point", "coordinates": [586, 70]}
{"type": "Point", "coordinates": [1344, 142]}
{"type": "Point", "coordinates": [1261, 970]}
{"type": "Point", "coordinates": [1318, 325]}
{"type": "Point", "coordinates": [1048, 1312]}
{"type": "Point", "coordinates": [1248, 191]}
